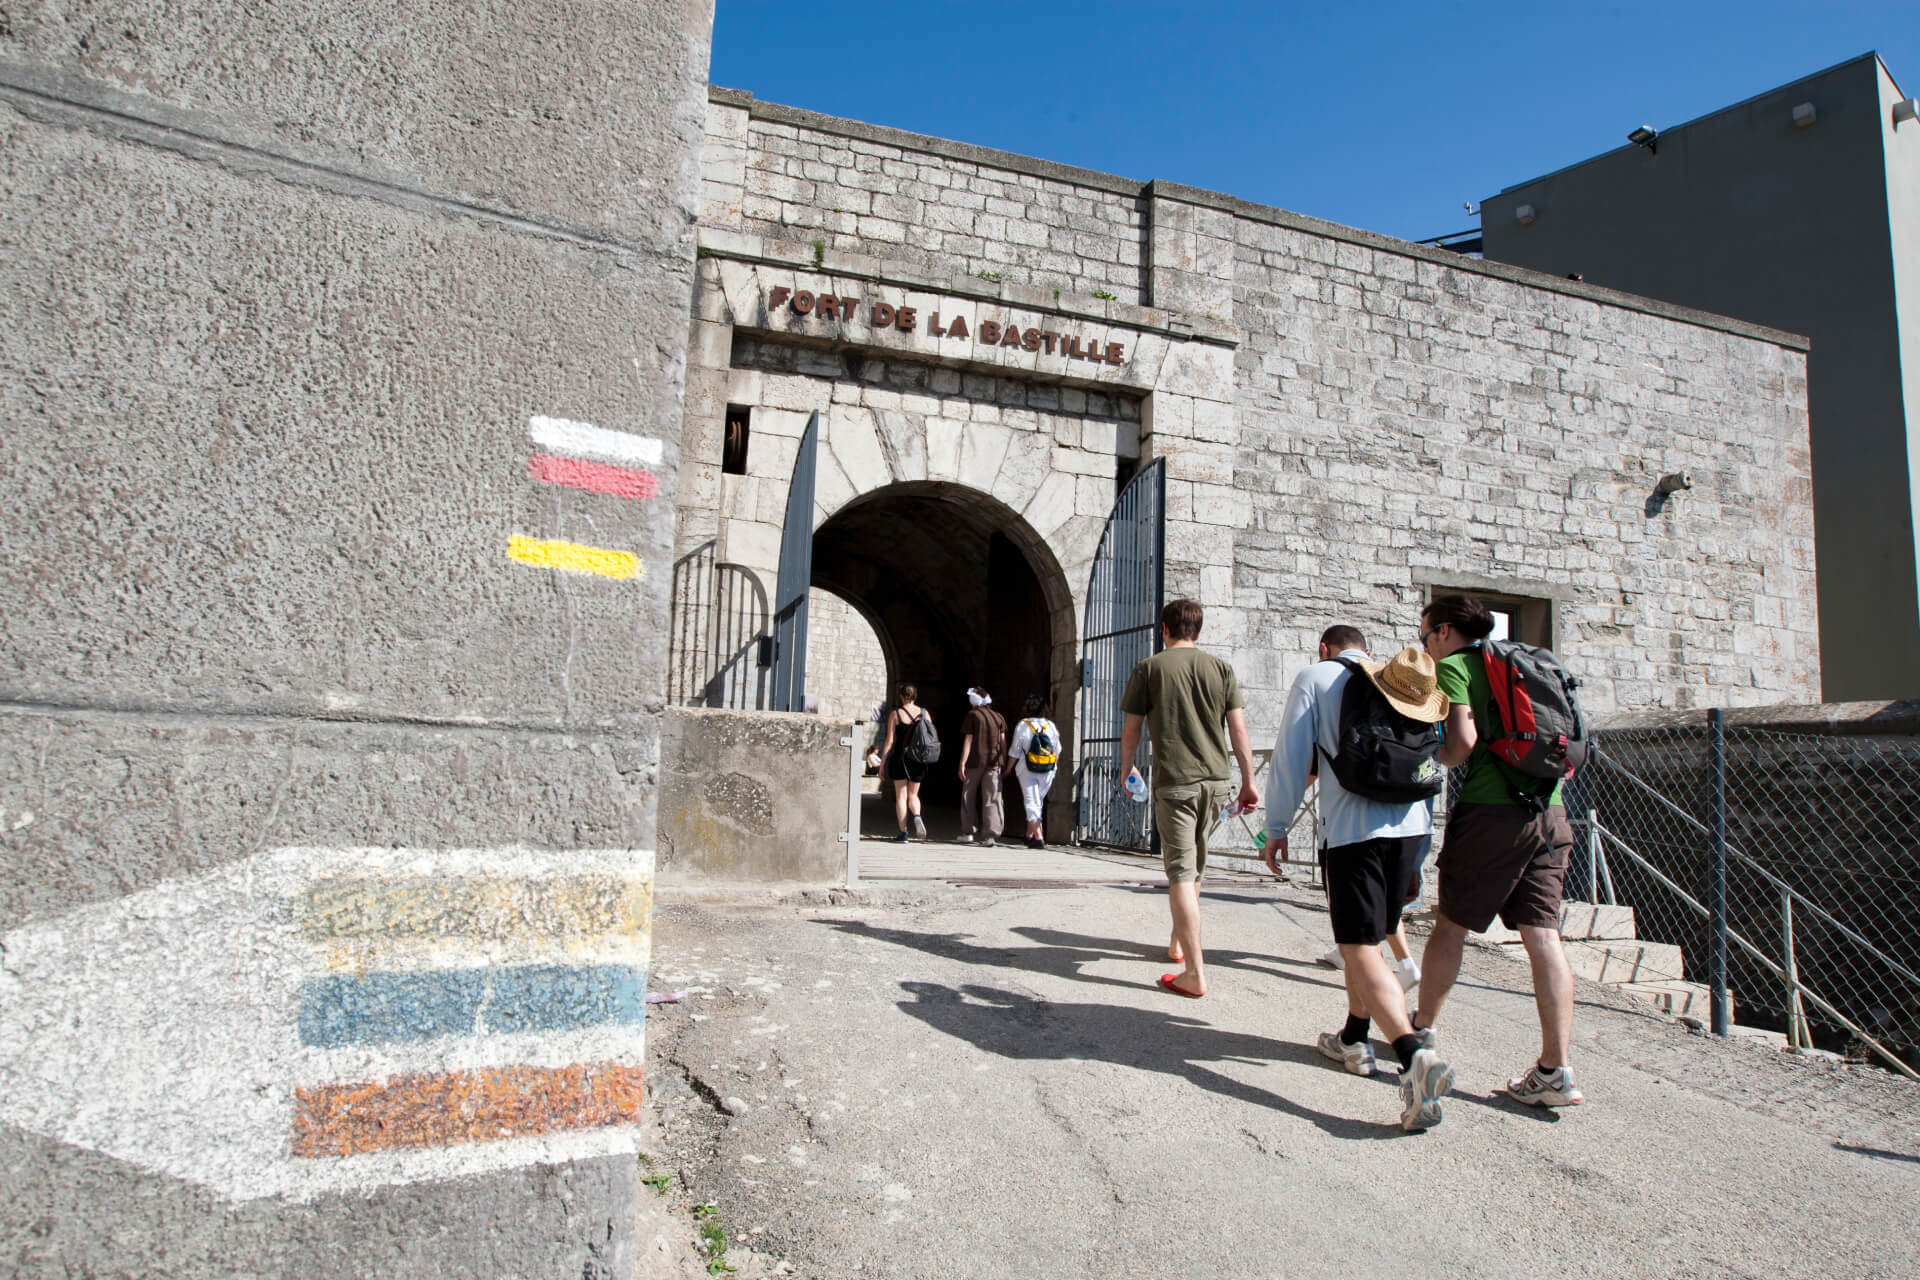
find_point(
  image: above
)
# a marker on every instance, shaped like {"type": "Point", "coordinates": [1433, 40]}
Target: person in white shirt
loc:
{"type": "Point", "coordinates": [1369, 853]}
{"type": "Point", "coordinates": [1035, 751]}
{"type": "Point", "coordinates": [1334, 641]}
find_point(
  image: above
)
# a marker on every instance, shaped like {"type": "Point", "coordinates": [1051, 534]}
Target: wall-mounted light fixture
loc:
{"type": "Point", "coordinates": [1673, 483]}
{"type": "Point", "coordinates": [1803, 115]}
{"type": "Point", "coordinates": [1645, 136]}
{"type": "Point", "coordinates": [1669, 485]}
{"type": "Point", "coordinates": [1523, 214]}
{"type": "Point", "coordinates": [1904, 110]}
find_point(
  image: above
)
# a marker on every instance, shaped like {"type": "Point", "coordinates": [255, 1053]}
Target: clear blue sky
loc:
{"type": "Point", "coordinates": [1385, 116]}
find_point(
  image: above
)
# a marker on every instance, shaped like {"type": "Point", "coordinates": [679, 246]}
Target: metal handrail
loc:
{"type": "Point", "coordinates": [1791, 978]}
{"type": "Point", "coordinates": [1778, 883]}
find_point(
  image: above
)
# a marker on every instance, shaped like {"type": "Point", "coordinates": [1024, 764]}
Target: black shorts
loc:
{"type": "Point", "coordinates": [1367, 886]}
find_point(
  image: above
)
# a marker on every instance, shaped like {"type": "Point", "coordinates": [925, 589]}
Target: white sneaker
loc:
{"type": "Point", "coordinates": [1546, 1088]}
{"type": "Point", "coordinates": [1422, 1085]}
{"type": "Point", "coordinates": [1333, 959]}
{"type": "Point", "coordinates": [1408, 971]}
{"type": "Point", "coordinates": [1357, 1058]}
{"type": "Point", "coordinates": [919, 827]}
{"type": "Point", "coordinates": [1425, 1036]}
{"type": "Point", "coordinates": [963, 839]}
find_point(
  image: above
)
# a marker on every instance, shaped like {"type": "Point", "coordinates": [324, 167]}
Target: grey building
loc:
{"type": "Point", "coordinates": [1798, 209]}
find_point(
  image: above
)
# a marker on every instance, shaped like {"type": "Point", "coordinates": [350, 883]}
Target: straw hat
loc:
{"type": "Point", "coordinates": [1408, 683]}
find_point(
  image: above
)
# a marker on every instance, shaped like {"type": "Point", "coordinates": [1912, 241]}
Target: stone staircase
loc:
{"type": "Point", "coordinates": [1602, 946]}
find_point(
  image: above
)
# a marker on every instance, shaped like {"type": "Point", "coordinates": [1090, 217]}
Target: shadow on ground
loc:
{"type": "Point", "coordinates": [1021, 1026]}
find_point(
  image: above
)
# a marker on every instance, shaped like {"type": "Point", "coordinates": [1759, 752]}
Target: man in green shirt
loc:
{"type": "Point", "coordinates": [1190, 702]}
{"type": "Point", "coordinates": [1502, 855]}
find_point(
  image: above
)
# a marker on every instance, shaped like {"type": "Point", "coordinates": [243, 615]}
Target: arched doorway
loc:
{"type": "Point", "coordinates": [959, 591]}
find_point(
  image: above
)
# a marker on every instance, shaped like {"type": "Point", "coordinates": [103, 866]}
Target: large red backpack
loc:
{"type": "Point", "coordinates": [1541, 733]}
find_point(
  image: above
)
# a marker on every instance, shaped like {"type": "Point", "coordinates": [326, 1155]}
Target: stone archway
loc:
{"type": "Point", "coordinates": [960, 590]}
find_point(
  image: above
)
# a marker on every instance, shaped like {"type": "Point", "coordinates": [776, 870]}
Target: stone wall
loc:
{"type": "Point", "coordinates": [845, 664]}
{"type": "Point", "coordinates": [1404, 427]}
{"type": "Point", "coordinates": [1350, 423]}
{"type": "Point", "coordinates": [342, 384]}
{"type": "Point", "coordinates": [885, 191]}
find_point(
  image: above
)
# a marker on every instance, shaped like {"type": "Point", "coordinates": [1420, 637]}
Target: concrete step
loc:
{"type": "Point", "coordinates": [1583, 920]}
{"type": "Point", "coordinates": [1616, 962]}
{"type": "Point", "coordinates": [1690, 999]}
{"type": "Point", "coordinates": [1595, 920]}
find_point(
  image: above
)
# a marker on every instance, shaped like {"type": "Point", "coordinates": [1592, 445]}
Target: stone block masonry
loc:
{"type": "Point", "coordinates": [1350, 423]}
{"type": "Point", "coordinates": [343, 390]}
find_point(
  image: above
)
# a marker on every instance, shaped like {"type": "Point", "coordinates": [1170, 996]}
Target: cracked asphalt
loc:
{"type": "Point", "coordinates": [964, 1082]}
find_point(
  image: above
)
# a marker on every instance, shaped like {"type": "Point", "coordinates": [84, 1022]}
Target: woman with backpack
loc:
{"type": "Point", "coordinates": [901, 767]}
{"type": "Point", "coordinates": [1035, 751]}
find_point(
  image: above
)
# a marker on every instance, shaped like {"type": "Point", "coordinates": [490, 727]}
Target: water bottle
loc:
{"type": "Point", "coordinates": [1136, 788]}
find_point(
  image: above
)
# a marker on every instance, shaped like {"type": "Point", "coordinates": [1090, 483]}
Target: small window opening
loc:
{"type": "Point", "coordinates": [1527, 619]}
{"type": "Point", "coordinates": [733, 451]}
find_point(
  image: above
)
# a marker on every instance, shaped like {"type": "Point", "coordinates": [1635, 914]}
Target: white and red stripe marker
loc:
{"type": "Point", "coordinates": [593, 459]}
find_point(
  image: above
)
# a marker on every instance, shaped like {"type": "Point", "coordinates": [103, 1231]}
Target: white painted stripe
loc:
{"type": "Point", "coordinates": [584, 440]}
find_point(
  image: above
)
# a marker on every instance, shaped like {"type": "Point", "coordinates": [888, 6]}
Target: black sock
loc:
{"type": "Point", "coordinates": [1355, 1031]}
{"type": "Point", "coordinates": [1404, 1047]}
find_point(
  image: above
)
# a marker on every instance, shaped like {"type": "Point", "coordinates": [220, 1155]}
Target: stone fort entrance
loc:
{"type": "Point", "coordinates": [958, 589]}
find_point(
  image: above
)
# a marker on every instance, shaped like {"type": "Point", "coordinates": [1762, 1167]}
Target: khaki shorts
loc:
{"type": "Point", "coordinates": [1181, 817]}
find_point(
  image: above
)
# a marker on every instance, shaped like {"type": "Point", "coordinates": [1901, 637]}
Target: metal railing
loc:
{"type": "Point", "coordinates": [717, 655]}
{"type": "Point", "coordinates": [1782, 864]}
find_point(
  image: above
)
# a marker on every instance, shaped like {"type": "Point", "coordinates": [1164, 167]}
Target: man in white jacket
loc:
{"type": "Point", "coordinates": [1370, 850]}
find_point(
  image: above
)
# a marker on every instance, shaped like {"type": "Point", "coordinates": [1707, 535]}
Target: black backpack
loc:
{"type": "Point", "coordinates": [1383, 755]}
{"type": "Point", "coordinates": [923, 743]}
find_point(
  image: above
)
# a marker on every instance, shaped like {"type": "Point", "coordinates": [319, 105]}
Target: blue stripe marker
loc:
{"type": "Point", "coordinates": [382, 1008]}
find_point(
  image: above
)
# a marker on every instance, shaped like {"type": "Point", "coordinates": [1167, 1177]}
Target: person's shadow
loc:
{"type": "Point", "coordinates": [1152, 1039]}
{"type": "Point", "coordinates": [1026, 1028]}
{"type": "Point", "coordinates": [1066, 955]}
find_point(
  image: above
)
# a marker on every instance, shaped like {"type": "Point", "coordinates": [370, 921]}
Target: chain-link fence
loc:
{"type": "Point", "coordinates": [1821, 858]}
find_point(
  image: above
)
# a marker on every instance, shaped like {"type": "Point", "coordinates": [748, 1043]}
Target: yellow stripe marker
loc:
{"type": "Point", "coordinates": [573, 557]}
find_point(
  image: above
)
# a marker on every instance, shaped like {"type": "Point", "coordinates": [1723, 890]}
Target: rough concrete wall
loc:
{"type": "Point", "coordinates": [753, 796]}
{"type": "Point", "coordinates": [329, 737]}
{"type": "Point", "coordinates": [1405, 427]}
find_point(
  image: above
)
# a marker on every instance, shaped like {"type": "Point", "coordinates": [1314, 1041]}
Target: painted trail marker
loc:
{"type": "Point", "coordinates": [318, 1020]}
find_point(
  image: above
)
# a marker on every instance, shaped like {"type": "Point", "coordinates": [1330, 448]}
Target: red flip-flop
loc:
{"type": "Point", "coordinates": [1167, 984]}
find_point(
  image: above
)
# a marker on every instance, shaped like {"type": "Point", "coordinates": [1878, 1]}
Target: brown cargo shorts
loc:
{"type": "Point", "coordinates": [1507, 861]}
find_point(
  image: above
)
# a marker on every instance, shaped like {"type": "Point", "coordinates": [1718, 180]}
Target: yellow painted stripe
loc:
{"type": "Point", "coordinates": [482, 909]}
{"type": "Point", "coordinates": [574, 557]}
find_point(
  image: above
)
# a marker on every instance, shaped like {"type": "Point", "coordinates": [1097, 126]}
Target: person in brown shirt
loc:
{"type": "Point", "coordinates": [983, 740]}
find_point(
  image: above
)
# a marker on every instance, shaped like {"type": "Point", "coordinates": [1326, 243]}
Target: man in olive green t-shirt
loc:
{"type": "Point", "coordinates": [1190, 702]}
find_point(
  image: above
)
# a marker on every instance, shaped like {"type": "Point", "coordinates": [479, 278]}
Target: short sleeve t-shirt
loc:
{"type": "Point", "coordinates": [1185, 695]}
{"type": "Point", "coordinates": [1462, 677]}
{"type": "Point", "coordinates": [989, 734]}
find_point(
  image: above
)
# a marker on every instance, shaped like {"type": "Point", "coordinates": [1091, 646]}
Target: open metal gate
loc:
{"type": "Point", "coordinates": [796, 577]}
{"type": "Point", "coordinates": [1124, 596]}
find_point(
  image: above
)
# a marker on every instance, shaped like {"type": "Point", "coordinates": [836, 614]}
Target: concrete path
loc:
{"type": "Point", "coordinates": [972, 1082]}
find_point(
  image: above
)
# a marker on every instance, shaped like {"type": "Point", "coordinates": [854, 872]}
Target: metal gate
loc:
{"type": "Point", "coordinates": [1124, 596]}
{"type": "Point", "coordinates": [718, 623]}
{"type": "Point", "coordinates": [796, 576]}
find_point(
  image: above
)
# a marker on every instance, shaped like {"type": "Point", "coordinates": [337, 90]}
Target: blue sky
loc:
{"type": "Point", "coordinates": [1384, 116]}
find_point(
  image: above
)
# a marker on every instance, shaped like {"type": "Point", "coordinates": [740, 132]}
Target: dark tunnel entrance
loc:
{"type": "Point", "coordinates": [959, 591]}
